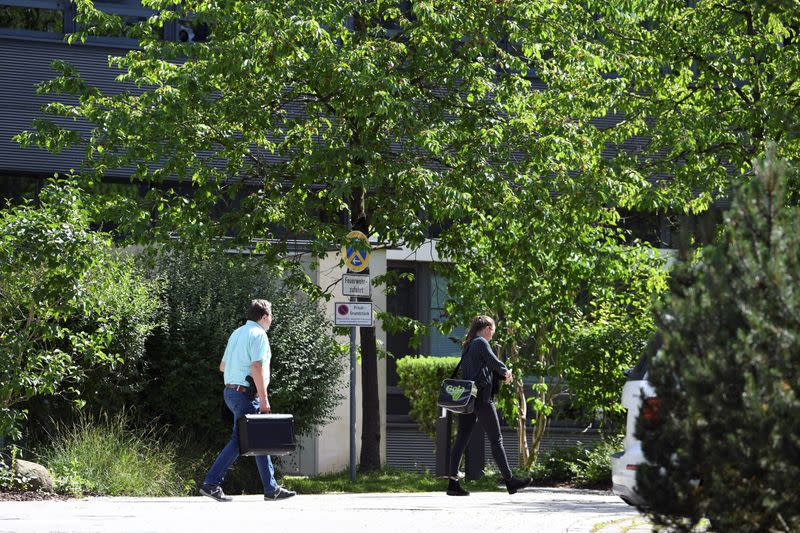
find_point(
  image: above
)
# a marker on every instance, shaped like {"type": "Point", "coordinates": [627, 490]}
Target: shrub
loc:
{"type": "Point", "coordinates": [556, 466]}
{"type": "Point", "coordinates": [600, 352]}
{"type": "Point", "coordinates": [727, 375]}
{"type": "Point", "coordinates": [420, 379]}
{"type": "Point", "coordinates": [595, 464]}
{"type": "Point", "coordinates": [111, 455]}
{"type": "Point", "coordinates": [10, 478]}
{"type": "Point", "coordinates": [207, 296]}
{"type": "Point", "coordinates": [578, 465]}
{"type": "Point", "coordinates": [69, 304]}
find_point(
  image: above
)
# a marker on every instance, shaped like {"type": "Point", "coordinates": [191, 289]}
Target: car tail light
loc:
{"type": "Point", "coordinates": [650, 411]}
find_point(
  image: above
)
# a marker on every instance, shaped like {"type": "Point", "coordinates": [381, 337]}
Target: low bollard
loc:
{"type": "Point", "coordinates": [443, 443]}
{"type": "Point", "coordinates": [476, 454]}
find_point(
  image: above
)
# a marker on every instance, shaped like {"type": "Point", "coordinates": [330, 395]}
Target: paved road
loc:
{"type": "Point", "coordinates": [530, 511]}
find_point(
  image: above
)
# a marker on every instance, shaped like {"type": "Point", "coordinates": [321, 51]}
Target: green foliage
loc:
{"type": "Point", "coordinates": [598, 353]}
{"type": "Point", "coordinates": [421, 378]}
{"type": "Point", "coordinates": [10, 479]}
{"type": "Point", "coordinates": [207, 296]}
{"type": "Point", "coordinates": [140, 312]}
{"type": "Point", "coordinates": [706, 83]}
{"type": "Point", "coordinates": [70, 305]}
{"type": "Point", "coordinates": [727, 375]}
{"type": "Point", "coordinates": [70, 480]}
{"type": "Point", "coordinates": [579, 465]}
{"type": "Point", "coordinates": [570, 295]}
{"type": "Point", "coordinates": [112, 455]}
{"type": "Point", "coordinates": [293, 115]}
{"type": "Point", "coordinates": [293, 96]}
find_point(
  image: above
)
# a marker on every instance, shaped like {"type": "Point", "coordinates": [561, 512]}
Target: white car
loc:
{"type": "Point", "coordinates": [638, 397]}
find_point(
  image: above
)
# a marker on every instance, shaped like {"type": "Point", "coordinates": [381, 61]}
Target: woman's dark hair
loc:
{"type": "Point", "coordinates": [478, 323]}
{"type": "Point", "coordinates": [257, 310]}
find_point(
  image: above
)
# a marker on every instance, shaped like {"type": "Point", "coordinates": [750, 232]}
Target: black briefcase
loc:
{"type": "Point", "coordinates": [266, 434]}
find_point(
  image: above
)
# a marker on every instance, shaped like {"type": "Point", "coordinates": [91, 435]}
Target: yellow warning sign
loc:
{"type": "Point", "coordinates": [356, 252]}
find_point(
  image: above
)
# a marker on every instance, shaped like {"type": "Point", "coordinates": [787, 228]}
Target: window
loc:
{"type": "Point", "coordinates": [192, 31]}
{"type": "Point", "coordinates": [442, 345]}
{"type": "Point", "coordinates": [15, 189]}
{"type": "Point", "coordinates": [31, 19]}
{"type": "Point", "coordinates": [130, 12]}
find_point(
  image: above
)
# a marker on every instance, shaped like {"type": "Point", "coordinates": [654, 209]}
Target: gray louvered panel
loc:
{"type": "Point", "coordinates": [554, 438]}
{"type": "Point", "coordinates": [408, 448]}
{"type": "Point", "coordinates": [29, 61]}
{"type": "Point", "coordinates": [24, 64]}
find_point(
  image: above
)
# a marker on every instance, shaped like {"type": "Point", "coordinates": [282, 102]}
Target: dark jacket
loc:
{"type": "Point", "coordinates": [480, 364]}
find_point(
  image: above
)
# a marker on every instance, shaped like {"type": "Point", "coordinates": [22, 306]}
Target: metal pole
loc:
{"type": "Point", "coordinates": [352, 390]}
{"type": "Point", "coordinates": [352, 402]}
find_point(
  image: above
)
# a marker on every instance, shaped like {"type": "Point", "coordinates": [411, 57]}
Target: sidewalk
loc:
{"type": "Point", "coordinates": [535, 510]}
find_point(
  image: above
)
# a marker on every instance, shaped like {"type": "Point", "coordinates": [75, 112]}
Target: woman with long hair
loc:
{"type": "Point", "coordinates": [480, 364]}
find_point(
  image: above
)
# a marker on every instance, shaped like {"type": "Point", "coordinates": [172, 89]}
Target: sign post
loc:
{"type": "Point", "coordinates": [353, 313]}
{"type": "Point", "coordinates": [352, 404]}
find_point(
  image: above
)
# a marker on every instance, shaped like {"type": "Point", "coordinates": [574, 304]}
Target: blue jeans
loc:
{"type": "Point", "coordinates": [240, 404]}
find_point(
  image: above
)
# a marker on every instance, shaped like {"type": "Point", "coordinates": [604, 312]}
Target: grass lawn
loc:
{"type": "Point", "coordinates": [385, 480]}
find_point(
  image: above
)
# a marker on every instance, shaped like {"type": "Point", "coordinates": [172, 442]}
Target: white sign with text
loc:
{"type": "Point", "coordinates": [356, 285]}
{"type": "Point", "coordinates": [353, 314]}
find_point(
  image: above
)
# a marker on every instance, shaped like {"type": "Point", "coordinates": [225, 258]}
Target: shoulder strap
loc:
{"type": "Point", "coordinates": [455, 370]}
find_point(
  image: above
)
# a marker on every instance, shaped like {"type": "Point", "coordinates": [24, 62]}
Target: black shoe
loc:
{"type": "Point", "coordinates": [454, 488]}
{"type": "Point", "coordinates": [515, 483]}
{"type": "Point", "coordinates": [215, 493]}
{"type": "Point", "coordinates": [279, 494]}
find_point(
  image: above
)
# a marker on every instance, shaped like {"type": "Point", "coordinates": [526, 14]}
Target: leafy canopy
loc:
{"type": "Point", "coordinates": [570, 294]}
{"type": "Point", "coordinates": [693, 91]}
{"type": "Point", "coordinates": [292, 114]}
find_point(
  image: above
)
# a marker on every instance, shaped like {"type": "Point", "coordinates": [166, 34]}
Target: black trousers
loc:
{"type": "Point", "coordinates": [486, 412]}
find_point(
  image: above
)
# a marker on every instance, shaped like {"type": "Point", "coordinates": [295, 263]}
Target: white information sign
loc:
{"type": "Point", "coordinates": [352, 314]}
{"type": "Point", "coordinates": [356, 285]}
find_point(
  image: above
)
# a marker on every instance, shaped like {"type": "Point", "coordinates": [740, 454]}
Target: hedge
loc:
{"type": "Point", "coordinates": [420, 379]}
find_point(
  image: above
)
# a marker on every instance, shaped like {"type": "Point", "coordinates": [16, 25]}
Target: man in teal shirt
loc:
{"type": "Point", "coordinates": [247, 354]}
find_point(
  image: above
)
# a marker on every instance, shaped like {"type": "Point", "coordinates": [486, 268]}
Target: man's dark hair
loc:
{"type": "Point", "coordinates": [258, 308]}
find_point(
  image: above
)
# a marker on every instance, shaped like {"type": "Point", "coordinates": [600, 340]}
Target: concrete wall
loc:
{"type": "Point", "coordinates": [329, 450]}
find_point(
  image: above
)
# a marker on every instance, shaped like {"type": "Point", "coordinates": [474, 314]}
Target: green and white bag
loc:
{"type": "Point", "coordinates": [458, 395]}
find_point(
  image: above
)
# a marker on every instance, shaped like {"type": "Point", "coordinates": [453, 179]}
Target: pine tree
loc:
{"type": "Point", "coordinates": [728, 443]}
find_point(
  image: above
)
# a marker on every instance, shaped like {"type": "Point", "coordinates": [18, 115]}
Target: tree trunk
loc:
{"type": "Point", "coordinates": [370, 403]}
{"type": "Point", "coordinates": [538, 435]}
{"type": "Point", "coordinates": [522, 420]}
{"type": "Point", "coordinates": [538, 428]}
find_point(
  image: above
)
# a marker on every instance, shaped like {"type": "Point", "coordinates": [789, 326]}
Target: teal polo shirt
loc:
{"type": "Point", "coordinates": [246, 345]}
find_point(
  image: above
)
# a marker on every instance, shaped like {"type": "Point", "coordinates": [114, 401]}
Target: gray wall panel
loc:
{"type": "Point", "coordinates": [25, 63]}
{"type": "Point", "coordinates": [408, 448]}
